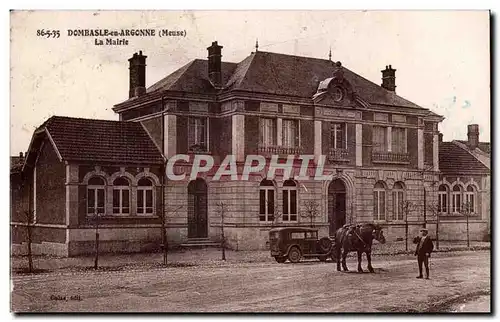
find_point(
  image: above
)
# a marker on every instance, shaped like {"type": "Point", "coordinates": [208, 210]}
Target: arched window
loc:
{"type": "Point", "coordinates": [379, 201]}
{"type": "Point", "coordinates": [121, 196]}
{"type": "Point", "coordinates": [443, 199]}
{"type": "Point", "coordinates": [96, 188]}
{"type": "Point", "coordinates": [456, 206]}
{"type": "Point", "coordinates": [398, 201]}
{"type": "Point", "coordinates": [470, 200]}
{"type": "Point", "coordinates": [266, 200]}
{"type": "Point", "coordinates": [289, 201]}
{"type": "Point", "coordinates": [145, 197]}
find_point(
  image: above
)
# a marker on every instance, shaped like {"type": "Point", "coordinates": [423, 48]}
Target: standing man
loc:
{"type": "Point", "coordinates": [423, 251]}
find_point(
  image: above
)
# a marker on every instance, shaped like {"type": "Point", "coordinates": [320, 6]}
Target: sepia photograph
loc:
{"type": "Point", "coordinates": [192, 161]}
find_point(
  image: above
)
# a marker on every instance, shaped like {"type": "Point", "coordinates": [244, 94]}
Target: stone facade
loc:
{"type": "Point", "coordinates": [381, 153]}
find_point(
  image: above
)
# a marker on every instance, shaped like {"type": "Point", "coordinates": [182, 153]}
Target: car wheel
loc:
{"type": "Point", "coordinates": [325, 244]}
{"type": "Point", "coordinates": [294, 255]}
{"type": "Point", "coordinates": [280, 259]}
{"type": "Point", "coordinates": [322, 258]}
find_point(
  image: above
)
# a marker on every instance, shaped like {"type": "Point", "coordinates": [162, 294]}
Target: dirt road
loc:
{"type": "Point", "coordinates": [259, 287]}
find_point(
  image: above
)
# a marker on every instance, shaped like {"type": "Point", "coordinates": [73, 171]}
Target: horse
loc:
{"type": "Point", "coordinates": [357, 238]}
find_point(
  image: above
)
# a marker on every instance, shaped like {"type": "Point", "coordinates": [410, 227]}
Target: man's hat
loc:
{"type": "Point", "coordinates": [424, 229]}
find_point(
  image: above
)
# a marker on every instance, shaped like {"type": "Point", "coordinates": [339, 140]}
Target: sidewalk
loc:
{"type": "Point", "coordinates": [207, 256]}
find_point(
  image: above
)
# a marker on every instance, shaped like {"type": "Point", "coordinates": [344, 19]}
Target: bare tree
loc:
{"type": "Point", "coordinates": [29, 217]}
{"type": "Point", "coordinates": [466, 210]}
{"type": "Point", "coordinates": [407, 207]}
{"type": "Point", "coordinates": [96, 259]}
{"type": "Point", "coordinates": [222, 209]}
{"type": "Point", "coordinates": [163, 218]}
{"type": "Point", "coordinates": [435, 211]}
{"type": "Point", "coordinates": [311, 210]}
{"type": "Point", "coordinates": [277, 215]}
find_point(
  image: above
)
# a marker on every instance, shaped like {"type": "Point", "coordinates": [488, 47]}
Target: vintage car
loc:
{"type": "Point", "coordinates": [295, 243]}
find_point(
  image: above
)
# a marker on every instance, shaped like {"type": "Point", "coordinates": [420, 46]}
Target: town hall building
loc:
{"type": "Point", "coordinates": [382, 153]}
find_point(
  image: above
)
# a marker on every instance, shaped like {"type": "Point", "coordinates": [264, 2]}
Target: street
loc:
{"type": "Point", "coordinates": [261, 287]}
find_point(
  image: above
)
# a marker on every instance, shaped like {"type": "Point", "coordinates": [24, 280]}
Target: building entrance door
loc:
{"type": "Point", "coordinates": [336, 205]}
{"type": "Point", "coordinates": [197, 209]}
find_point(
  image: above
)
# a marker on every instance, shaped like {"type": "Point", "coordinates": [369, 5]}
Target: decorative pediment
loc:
{"type": "Point", "coordinates": [336, 90]}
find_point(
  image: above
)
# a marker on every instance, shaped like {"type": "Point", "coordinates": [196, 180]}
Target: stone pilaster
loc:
{"type": "Point", "coordinates": [317, 140]}
{"type": "Point", "coordinates": [72, 197]}
{"type": "Point", "coordinates": [279, 130]}
{"type": "Point", "coordinates": [359, 145]}
{"type": "Point", "coordinates": [389, 139]}
{"type": "Point", "coordinates": [420, 148]}
{"type": "Point", "coordinates": [238, 137]}
{"type": "Point", "coordinates": [170, 141]}
{"type": "Point", "coordinates": [435, 151]}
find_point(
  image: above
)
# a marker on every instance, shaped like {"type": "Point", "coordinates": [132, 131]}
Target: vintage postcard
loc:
{"type": "Point", "coordinates": [250, 161]}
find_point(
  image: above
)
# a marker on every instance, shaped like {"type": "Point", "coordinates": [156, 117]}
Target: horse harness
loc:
{"type": "Point", "coordinates": [361, 239]}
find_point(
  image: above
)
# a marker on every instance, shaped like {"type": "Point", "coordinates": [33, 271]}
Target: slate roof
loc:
{"type": "Point", "coordinates": [79, 139]}
{"type": "Point", "coordinates": [483, 146]}
{"type": "Point", "coordinates": [273, 73]}
{"type": "Point", "coordinates": [192, 78]}
{"type": "Point", "coordinates": [455, 159]}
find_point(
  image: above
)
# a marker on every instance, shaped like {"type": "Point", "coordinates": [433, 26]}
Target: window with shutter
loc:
{"type": "Point", "coordinates": [267, 133]}
{"type": "Point", "coordinates": [290, 133]}
{"type": "Point", "coordinates": [399, 140]}
{"type": "Point", "coordinates": [380, 139]}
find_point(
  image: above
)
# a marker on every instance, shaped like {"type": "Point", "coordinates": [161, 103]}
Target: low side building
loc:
{"type": "Point", "coordinates": [465, 188]}
{"type": "Point", "coordinates": [76, 169]}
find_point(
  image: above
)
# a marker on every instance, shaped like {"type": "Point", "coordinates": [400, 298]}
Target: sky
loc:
{"type": "Point", "coordinates": [442, 57]}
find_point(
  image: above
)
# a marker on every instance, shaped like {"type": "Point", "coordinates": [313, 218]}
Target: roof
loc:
{"type": "Point", "coordinates": [483, 146]}
{"type": "Point", "coordinates": [81, 139]}
{"type": "Point", "coordinates": [192, 77]}
{"type": "Point", "coordinates": [454, 158]}
{"type": "Point", "coordinates": [273, 73]}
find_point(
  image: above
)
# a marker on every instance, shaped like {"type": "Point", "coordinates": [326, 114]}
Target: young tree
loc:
{"type": "Point", "coordinates": [434, 210]}
{"type": "Point", "coordinates": [29, 216]}
{"type": "Point", "coordinates": [311, 210]}
{"type": "Point", "coordinates": [466, 210]}
{"type": "Point", "coordinates": [277, 215]}
{"type": "Point", "coordinates": [163, 218]}
{"type": "Point", "coordinates": [407, 207]}
{"type": "Point", "coordinates": [222, 209]}
{"type": "Point", "coordinates": [96, 259]}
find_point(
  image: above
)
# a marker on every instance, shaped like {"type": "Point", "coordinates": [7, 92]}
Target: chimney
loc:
{"type": "Point", "coordinates": [137, 75]}
{"type": "Point", "coordinates": [389, 78]}
{"type": "Point", "coordinates": [214, 64]}
{"type": "Point", "coordinates": [440, 135]}
{"type": "Point", "coordinates": [21, 156]}
{"type": "Point", "coordinates": [473, 136]}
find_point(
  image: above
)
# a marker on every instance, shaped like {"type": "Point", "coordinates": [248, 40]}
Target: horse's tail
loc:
{"type": "Point", "coordinates": [340, 238]}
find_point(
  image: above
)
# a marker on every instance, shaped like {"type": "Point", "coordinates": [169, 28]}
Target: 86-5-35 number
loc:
{"type": "Point", "coordinates": [47, 33]}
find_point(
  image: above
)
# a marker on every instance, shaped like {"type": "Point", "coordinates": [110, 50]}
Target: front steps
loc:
{"type": "Point", "coordinates": [194, 243]}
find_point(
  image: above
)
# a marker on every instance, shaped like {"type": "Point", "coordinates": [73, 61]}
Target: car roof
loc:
{"type": "Point", "coordinates": [293, 229]}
